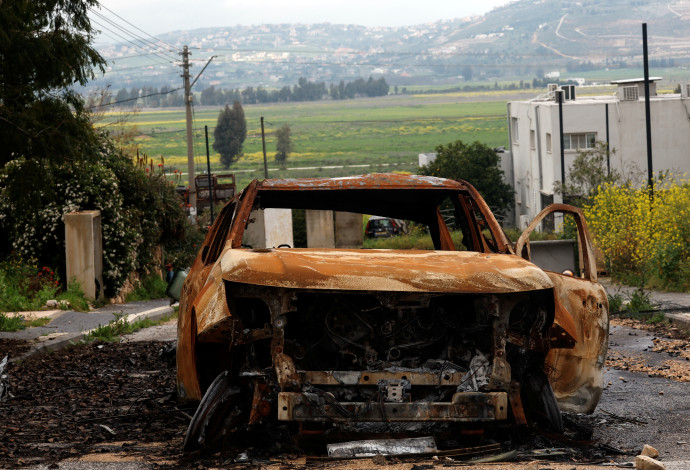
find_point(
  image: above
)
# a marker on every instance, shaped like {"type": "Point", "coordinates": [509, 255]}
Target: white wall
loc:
{"type": "Point", "coordinates": [670, 117]}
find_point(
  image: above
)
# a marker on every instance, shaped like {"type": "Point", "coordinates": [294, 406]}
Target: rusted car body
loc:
{"type": "Point", "coordinates": [460, 334]}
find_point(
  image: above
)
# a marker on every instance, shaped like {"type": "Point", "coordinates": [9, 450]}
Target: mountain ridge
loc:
{"type": "Point", "coordinates": [520, 39]}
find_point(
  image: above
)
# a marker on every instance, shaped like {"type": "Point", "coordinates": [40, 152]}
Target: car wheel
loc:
{"type": "Point", "coordinates": [540, 402]}
{"type": "Point", "coordinates": [219, 412]}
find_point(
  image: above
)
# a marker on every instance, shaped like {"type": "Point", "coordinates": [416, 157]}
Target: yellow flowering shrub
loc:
{"type": "Point", "coordinates": [645, 240]}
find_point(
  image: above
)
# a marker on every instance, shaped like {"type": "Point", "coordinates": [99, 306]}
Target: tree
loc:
{"type": "Point", "coordinates": [230, 133]}
{"type": "Point", "coordinates": [283, 145]}
{"type": "Point", "coordinates": [477, 164]}
{"type": "Point", "coordinates": [45, 48]}
{"type": "Point", "coordinates": [589, 172]}
{"type": "Point", "coordinates": [467, 73]}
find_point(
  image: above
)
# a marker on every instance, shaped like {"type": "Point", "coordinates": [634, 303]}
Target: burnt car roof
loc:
{"type": "Point", "coordinates": [409, 197]}
{"type": "Point", "coordinates": [363, 182]}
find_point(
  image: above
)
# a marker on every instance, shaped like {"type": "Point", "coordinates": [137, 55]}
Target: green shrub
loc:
{"type": "Point", "coordinates": [615, 303]}
{"type": "Point", "coordinates": [645, 240]}
{"type": "Point", "coordinates": [75, 296]}
{"type": "Point", "coordinates": [640, 301]}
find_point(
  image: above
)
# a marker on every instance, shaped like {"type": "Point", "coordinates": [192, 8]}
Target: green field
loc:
{"type": "Point", "coordinates": [386, 133]}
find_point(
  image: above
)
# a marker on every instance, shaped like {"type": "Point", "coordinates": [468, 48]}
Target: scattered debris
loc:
{"type": "Point", "coordinates": [673, 369]}
{"type": "Point", "coordinates": [649, 451]}
{"type": "Point", "coordinates": [642, 462]}
{"type": "Point", "coordinates": [368, 448]}
{"type": "Point", "coordinates": [107, 429]}
{"type": "Point", "coordinates": [4, 384]}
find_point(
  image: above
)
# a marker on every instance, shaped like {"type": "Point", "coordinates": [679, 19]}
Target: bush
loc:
{"type": "Point", "coordinates": [139, 210]}
{"type": "Point", "coordinates": [646, 241]}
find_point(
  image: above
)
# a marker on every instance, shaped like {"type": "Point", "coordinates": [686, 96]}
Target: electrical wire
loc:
{"type": "Point", "coordinates": [155, 45]}
{"type": "Point", "coordinates": [146, 43]}
{"type": "Point", "coordinates": [138, 67]}
{"type": "Point", "coordinates": [125, 39]}
{"type": "Point", "coordinates": [113, 59]}
{"type": "Point", "coordinates": [137, 28]}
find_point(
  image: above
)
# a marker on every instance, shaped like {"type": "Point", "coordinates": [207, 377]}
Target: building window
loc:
{"type": "Point", "coordinates": [548, 141]}
{"type": "Point", "coordinates": [532, 139]}
{"type": "Point", "coordinates": [579, 141]}
{"type": "Point", "coordinates": [514, 128]}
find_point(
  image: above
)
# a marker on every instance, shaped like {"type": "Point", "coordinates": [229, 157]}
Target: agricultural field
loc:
{"type": "Point", "coordinates": [354, 136]}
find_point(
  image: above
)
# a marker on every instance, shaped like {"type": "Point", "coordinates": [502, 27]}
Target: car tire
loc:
{"type": "Point", "coordinates": [218, 413]}
{"type": "Point", "coordinates": [540, 402]}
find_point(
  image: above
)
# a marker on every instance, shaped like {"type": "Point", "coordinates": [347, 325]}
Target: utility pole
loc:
{"type": "Point", "coordinates": [648, 119]}
{"type": "Point", "coordinates": [263, 144]}
{"type": "Point", "coordinates": [190, 147]}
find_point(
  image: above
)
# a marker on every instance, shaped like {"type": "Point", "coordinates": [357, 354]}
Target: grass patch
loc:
{"type": "Point", "coordinates": [657, 318]}
{"type": "Point", "coordinates": [116, 328]}
{"type": "Point", "coordinates": [42, 321]}
{"type": "Point", "coordinates": [151, 287]}
{"type": "Point", "coordinates": [389, 132]}
{"type": "Point", "coordinates": [17, 323]}
{"type": "Point", "coordinates": [11, 323]}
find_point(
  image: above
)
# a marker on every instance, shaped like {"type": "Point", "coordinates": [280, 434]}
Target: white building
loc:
{"type": "Point", "coordinates": [535, 136]}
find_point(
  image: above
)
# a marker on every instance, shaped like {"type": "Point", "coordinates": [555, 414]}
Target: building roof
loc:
{"type": "Point", "coordinates": [634, 80]}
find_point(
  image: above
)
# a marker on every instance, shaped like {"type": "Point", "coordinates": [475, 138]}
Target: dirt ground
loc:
{"type": "Point", "coordinates": [115, 402]}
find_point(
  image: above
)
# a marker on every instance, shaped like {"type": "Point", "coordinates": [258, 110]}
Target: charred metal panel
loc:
{"type": "Point", "coordinates": [415, 377]}
{"type": "Point", "coordinates": [577, 374]}
{"type": "Point", "coordinates": [464, 407]}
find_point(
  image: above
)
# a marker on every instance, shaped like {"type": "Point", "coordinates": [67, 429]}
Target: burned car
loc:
{"type": "Point", "coordinates": [470, 333]}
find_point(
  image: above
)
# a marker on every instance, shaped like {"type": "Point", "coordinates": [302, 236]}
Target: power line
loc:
{"type": "Point", "coordinates": [113, 59]}
{"type": "Point", "coordinates": [139, 67]}
{"type": "Point", "coordinates": [136, 27]}
{"type": "Point", "coordinates": [144, 41]}
{"type": "Point", "coordinates": [125, 39]}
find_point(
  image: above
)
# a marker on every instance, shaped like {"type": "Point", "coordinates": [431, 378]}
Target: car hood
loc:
{"type": "Point", "coordinates": [383, 270]}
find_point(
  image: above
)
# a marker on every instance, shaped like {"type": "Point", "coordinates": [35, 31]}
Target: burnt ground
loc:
{"type": "Point", "coordinates": [116, 402]}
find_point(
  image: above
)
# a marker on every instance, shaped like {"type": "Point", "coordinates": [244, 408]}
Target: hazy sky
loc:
{"type": "Point", "coordinates": [160, 16]}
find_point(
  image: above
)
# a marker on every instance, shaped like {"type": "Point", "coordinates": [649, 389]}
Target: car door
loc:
{"type": "Point", "coordinates": [577, 374]}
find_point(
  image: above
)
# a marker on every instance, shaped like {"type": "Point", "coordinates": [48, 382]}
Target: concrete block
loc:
{"type": "Point", "coordinates": [270, 229]}
{"type": "Point", "coordinates": [84, 251]}
{"type": "Point", "coordinates": [320, 229]}
{"type": "Point", "coordinates": [349, 232]}
{"type": "Point", "coordinates": [642, 462]}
